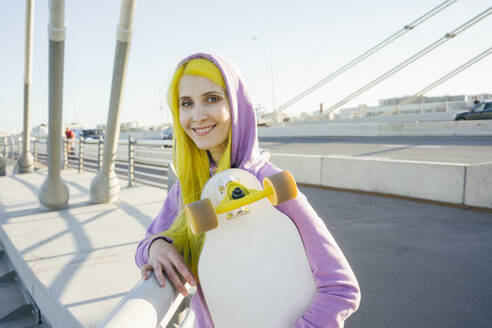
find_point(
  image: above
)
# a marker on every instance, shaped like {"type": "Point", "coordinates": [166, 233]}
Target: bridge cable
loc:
{"type": "Point", "coordinates": [368, 53]}
{"type": "Point", "coordinates": [446, 77]}
{"type": "Point", "coordinates": [413, 58]}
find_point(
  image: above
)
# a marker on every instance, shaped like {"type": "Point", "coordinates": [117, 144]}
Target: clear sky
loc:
{"type": "Point", "coordinates": [308, 40]}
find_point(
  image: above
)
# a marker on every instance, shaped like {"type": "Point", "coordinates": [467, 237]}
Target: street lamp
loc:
{"type": "Point", "coordinates": [269, 47]}
{"type": "Point", "coordinates": [160, 94]}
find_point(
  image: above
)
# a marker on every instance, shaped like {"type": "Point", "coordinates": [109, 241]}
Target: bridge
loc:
{"type": "Point", "coordinates": [77, 262]}
{"type": "Point", "coordinates": [408, 201]}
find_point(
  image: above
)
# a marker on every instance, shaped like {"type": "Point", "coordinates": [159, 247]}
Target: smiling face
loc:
{"type": "Point", "coordinates": [204, 114]}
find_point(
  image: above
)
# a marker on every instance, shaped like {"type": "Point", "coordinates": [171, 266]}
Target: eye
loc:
{"type": "Point", "coordinates": [212, 99]}
{"type": "Point", "coordinates": [186, 103]}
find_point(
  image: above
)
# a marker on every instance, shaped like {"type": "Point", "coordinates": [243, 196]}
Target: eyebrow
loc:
{"type": "Point", "coordinates": [206, 94]}
{"type": "Point", "coordinates": [212, 92]}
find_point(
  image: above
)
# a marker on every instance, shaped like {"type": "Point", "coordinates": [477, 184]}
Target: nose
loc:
{"type": "Point", "coordinates": [199, 114]}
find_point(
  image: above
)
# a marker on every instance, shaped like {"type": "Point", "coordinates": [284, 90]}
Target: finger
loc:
{"type": "Point", "coordinates": [173, 277]}
{"type": "Point", "coordinates": [158, 274]}
{"type": "Point", "coordinates": [143, 270]}
{"type": "Point", "coordinates": [185, 272]}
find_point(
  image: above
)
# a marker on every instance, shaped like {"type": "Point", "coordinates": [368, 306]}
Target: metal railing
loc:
{"type": "Point", "coordinates": [144, 162]}
{"type": "Point", "coordinates": [149, 305]}
{"type": "Point", "coordinates": [10, 147]}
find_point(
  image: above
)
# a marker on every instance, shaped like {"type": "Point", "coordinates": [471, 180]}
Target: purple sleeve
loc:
{"type": "Point", "coordinates": [161, 223]}
{"type": "Point", "coordinates": [338, 294]}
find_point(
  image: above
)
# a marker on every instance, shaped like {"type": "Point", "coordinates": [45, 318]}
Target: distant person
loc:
{"type": "Point", "coordinates": [476, 101]}
{"type": "Point", "coordinates": [214, 130]}
{"type": "Point", "coordinates": [69, 135]}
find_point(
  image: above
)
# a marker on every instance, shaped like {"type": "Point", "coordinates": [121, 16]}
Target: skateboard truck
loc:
{"type": "Point", "coordinates": [202, 215]}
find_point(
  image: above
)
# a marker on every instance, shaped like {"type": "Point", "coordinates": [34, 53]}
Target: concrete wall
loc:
{"type": "Point", "coordinates": [433, 181]}
{"type": "Point", "coordinates": [305, 168]}
{"type": "Point", "coordinates": [478, 191]}
{"type": "Point", "coordinates": [474, 128]}
{"type": "Point", "coordinates": [142, 134]}
{"type": "Point", "coordinates": [382, 129]}
{"type": "Point", "coordinates": [444, 182]}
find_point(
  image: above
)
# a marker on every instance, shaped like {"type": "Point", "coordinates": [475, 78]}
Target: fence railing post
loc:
{"type": "Point", "coordinates": [81, 154]}
{"type": "Point", "coordinates": [4, 143]}
{"type": "Point", "coordinates": [12, 146]}
{"type": "Point", "coordinates": [15, 142]}
{"type": "Point", "coordinates": [65, 153]}
{"type": "Point", "coordinates": [131, 161]}
{"type": "Point", "coordinates": [3, 161]}
{"type": "Point", "coordinates": [99, 153]}
{"type": "Point", "coordinates": [7, 148]}
{"type": "Point", "coordinates": [35, 150]}
{"type": "Point", "coordinates": [19, 147]}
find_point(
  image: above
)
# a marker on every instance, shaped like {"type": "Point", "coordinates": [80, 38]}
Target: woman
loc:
{"type": "Point", "coordinates": [215, 129]}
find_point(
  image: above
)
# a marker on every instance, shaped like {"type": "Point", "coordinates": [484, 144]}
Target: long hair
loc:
{"type": "Point", "coordinates": [191, 163]}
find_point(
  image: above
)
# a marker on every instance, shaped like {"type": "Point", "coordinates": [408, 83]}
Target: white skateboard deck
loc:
{"type": "Point", "coordinates": [253, 268]}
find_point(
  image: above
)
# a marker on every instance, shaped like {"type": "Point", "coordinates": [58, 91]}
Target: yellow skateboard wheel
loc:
{"type": "Point", "coordinates": [201, 216]}
{"type": "Point", "coordinates": [283, 185]}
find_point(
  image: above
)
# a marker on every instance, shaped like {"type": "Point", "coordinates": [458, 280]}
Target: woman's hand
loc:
{"type": "Point", "coordinates": [163, 256]}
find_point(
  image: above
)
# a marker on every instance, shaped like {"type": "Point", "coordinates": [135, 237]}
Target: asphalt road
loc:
{"type": "Point", "coordinates": [451, 150]}
{"type": "Point", "coordinates": [418, 265]}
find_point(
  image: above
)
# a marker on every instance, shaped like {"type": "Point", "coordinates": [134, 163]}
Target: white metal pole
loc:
{"type": "Point", "coordinates": [274, 105]}
{"type": "Point", "coordinates": [54, 192]}
{"type": "Point", "coordinates": [270, 57]}
{"type": "Point", "coordinates": [105, 186]}
{"type": "Point", "coordinates": [25, 162]}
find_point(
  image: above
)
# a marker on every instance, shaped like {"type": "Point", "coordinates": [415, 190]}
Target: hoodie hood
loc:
{"type": "Point", "coordinates": [244, 144]}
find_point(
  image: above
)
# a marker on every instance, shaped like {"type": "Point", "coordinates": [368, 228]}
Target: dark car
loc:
{"type": "Point", "coordinates": [167, 134]}
{"type": "Point", "coordinates": [481, 111]}
{"type": "Point", "coordinates": [91, 134]}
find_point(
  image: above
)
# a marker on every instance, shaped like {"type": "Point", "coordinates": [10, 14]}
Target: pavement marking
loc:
{"type": "Point", "coordinates": [413, 146]}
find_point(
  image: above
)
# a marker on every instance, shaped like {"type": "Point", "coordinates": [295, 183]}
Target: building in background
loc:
{"type": "Point", "coordinates": [423, 105]}
{"type": "Point", "coordinates": [39, 131]}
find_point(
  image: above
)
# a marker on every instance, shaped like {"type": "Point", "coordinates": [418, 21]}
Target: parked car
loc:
{"type": "Point", "coordinates": [167, 138]}
{"type": "Point", "coordinates": [481, 111]}
{"type": "Point", "coordinates": [91, 134]}
{"type": "Point", "coordinates": [167, 134]}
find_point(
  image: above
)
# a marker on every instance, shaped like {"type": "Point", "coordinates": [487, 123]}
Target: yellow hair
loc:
{"type": "Point", "coordinates": [191, 163]}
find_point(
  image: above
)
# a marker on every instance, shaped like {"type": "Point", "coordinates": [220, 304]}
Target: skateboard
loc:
{"type": "Point", "coordinates": [253, 268]}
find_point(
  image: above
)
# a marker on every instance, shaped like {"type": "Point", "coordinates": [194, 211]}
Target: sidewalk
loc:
{"type": "Point", "coordinates": [77, 263]}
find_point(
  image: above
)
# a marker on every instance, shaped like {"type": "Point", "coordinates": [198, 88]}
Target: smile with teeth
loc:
{"type": "Point", "coordinates": [203, 131]}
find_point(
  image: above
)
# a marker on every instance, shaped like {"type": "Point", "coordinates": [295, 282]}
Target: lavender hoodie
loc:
{"type": "Point", "coordinates": [338, 293]}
